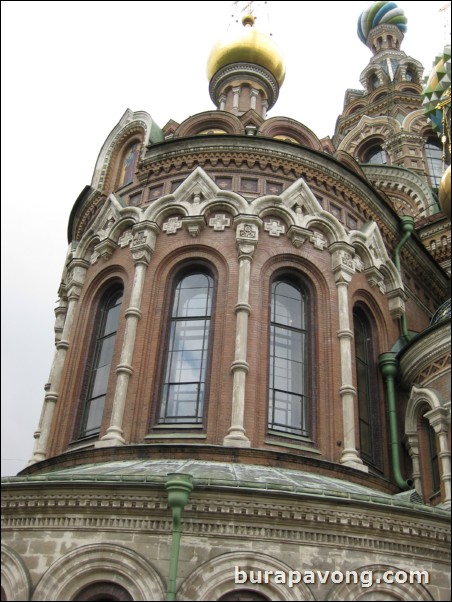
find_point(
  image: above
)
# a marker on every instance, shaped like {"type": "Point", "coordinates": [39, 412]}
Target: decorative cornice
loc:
{"type": "Point", "coordinates": [237, 515]}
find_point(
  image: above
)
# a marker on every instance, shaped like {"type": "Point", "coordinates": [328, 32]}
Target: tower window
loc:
{"type": "Point", "coordinates": [289, 359]}
{"type": "Point", "coordinates": [183, 390]}
{"type": "Point", "coordinates": [434, 158]}
{"type": "Point", "coordinates": [376, 156]}
{"type": "Point", "coordinates": [368, 417]}
{"type": "Point", "coordinates": [102, 354]}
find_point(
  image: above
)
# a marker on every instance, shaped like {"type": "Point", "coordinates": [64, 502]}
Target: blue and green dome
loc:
{"type": "Point", "coordinates": [378, 14]}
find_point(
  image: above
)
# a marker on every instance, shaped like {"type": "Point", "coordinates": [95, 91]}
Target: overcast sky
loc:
{"type": "Point", "coordinates": [69, 71]}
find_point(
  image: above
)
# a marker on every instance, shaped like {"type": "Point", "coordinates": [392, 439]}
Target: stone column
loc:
{"type": "Point", "coordinates": [76, 277]}
{"type": "Point", "coordinates": [438, 419]}
{"type": "Point", "coordinates": [254, 94]}
{"type": "Point", "coordinates": [343, 268]}
{"type": "Point", "coordinates": [247, 237]}
{"type": "Point", "coordinates": [235, 98]}
{"type": "Point", "coordinates": [142, 248]}
{"type": "Point", "coordinates": [412, 445]}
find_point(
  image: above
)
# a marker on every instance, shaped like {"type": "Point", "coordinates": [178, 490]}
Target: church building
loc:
{"type": "Point", "coordinates": [250, 393]}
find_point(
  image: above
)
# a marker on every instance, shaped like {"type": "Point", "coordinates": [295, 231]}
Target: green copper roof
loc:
{"type": "Point", "coordinates": [244, 477]}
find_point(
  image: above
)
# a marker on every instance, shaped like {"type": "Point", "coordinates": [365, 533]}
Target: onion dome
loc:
{"type": "Point", "coordinates": [247, 46]}
{"type": "Point", "coordinates": [436, 88]}
{"type": "Point", "coordinates": [442, 313]}
{"type": "Point", "coordinates": [381, 13]}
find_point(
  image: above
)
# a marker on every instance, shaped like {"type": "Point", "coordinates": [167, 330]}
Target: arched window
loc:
{"type": "Point", "coordinates": [187, 358]}
{"type": "Point", "coordinates": [103, 590]}
{"type": "Point", "coordinates": [289, 359]}
{"type": "Point", "coordinates": [429, 458]}
{"type": "Point", "coordinates": [375, 155]}
{"type": "Point", "coordinates": [374, 81]}
{"type": "Point", "coordinates": [434, 158]}
{"type": "Point", "coordinates": [367, 388]}
{"type": "Point", "coordinates": [100, 361]}
{"type": "Point", "coordinates": [128, 165]}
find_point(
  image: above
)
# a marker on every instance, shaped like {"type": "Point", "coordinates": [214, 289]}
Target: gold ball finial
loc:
{"type": "Point", "coordinates": [248, 20]}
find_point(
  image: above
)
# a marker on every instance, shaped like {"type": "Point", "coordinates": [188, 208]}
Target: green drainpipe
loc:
{"type": "Point", "coordinates": [179, 487]}
{"type": "Point", "coordinates": [389, 367]}
{"type": "Point", "coordinates": [407, 223]}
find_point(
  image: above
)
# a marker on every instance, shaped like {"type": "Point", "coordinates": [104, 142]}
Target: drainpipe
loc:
{"type": "Point", "coordinates": [407, 223]}
{"type": "Point", "coordinates": [179, 487]}
{"type": "Point", "coordinates": [389, 367]}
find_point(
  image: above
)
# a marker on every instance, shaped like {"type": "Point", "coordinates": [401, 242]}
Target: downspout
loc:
{"type": "Point", "coordinates": [407, 222]}
{"type": "Point", "coordinates": [179, 487]}
{"type": "Point", "coordinates": [389, 367]}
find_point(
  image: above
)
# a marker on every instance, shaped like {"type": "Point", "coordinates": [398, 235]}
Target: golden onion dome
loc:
{"type": "Point", "coordinates": [247, 46]}
{"type": "Point", "coordinates": [444, 192]}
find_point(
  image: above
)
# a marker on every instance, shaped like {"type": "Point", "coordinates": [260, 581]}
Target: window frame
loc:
{"type": "Point", "coordinates": [300, 282]}
{"type": "Point", "coordinates": [192, 268]}
{"type": "Point", "coordinates": [113, 291]}
{"type": "Point", "coordinates": [373, 389]}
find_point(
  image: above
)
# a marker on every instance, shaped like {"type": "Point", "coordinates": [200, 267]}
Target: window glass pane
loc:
{"type": "Point", "coordinates": [94, 415]}
{"type": "Point", "coordinates": [102, 356]}
{"type": "Point", "coordinates": [112, 318]}
{"type": "Point", "coordinates": [288, 360]}
{"type": "Point", "coordinates": [187, 356]}
{"type": "Point", "coordinates": [434, 156]}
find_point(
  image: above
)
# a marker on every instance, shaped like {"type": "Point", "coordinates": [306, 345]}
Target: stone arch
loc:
{"type": "Point", "coordinates": [367, 130]}
{"type": "Point", "coordinates": [210, 120]}
{"type": "Point", "coordinates": [419, 398]}
{"type": "Point", "coordinates": [137, 124]}
{"type": "Point", "coordinates": [16, 581]}
{"type": "Point", "coordinates": [100, 562]}
{"type": "Point", "coordinates": [216, 577]}
{"type": "Point", "coordinates": [378, 591]}
{"type": "Point", "coordinates": [283, 126]}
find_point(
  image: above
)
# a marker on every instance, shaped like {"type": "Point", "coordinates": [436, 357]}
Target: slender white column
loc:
{"type": "Point", "coordinates": [142, 248]}
{"type": "Point", "coordinates": [76, 278]}
{"type": "Point", "coordinates": [343, 269]}
{"type": "Point", "coordinates": [247, 237]}
{"type": "Point", "coordinates": [412, 445]}
{"type": "Point", "coordinates": [438, 419]}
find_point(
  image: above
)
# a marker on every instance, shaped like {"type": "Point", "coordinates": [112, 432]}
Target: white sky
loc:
{"type": "Point", "coordinates": [69, 71]}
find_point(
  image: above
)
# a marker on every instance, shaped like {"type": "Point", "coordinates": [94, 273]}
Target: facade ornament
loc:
{"type": "Point", "coordinates": [219, 222]}
{"type": "Point", "coordinates": [172, 225]}
{"type": "Point", "coordinates": [125, 238]}
{"type": "Point", "coordinates": [299, 235]}
{"type": "Point", "coordinates": [105, 248]}
{"type": "Point", "coordinates": [319, 241]}
{"type": "Point", "coordinates": [194, 225]}
{"type": "Point", "coordinates": [274, 227]}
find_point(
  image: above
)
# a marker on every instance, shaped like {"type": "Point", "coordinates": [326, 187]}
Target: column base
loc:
{"type": "Point", "coordinates": [351, 458]}
{"type": "Point", "coordinates": [236, 438]}
{"type": "Point", "coordinates": [112, 438]}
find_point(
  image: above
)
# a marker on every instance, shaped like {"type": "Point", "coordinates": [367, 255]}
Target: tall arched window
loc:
{"type": "Point", "coordinates": [434, 158]}
{"type": "Point", "coordinates": [100, 361]}
{"type": "Point", "coordinates": [289, 359]}
{"type": "Point", "coordinates": [187, 358]}
{"type": "Point", "coordinates": [367, 388]}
